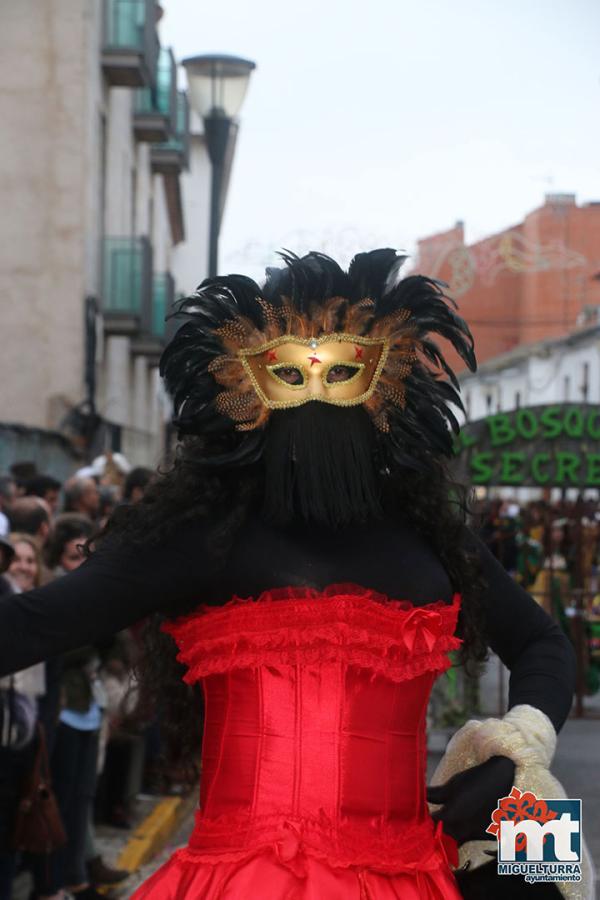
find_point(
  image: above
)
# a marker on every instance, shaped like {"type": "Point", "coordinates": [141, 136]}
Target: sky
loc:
{"type": "Point", "coordinates": [377, 122]}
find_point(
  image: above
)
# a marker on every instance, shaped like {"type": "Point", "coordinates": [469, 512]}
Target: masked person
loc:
{"type": "Point", "coordinates": [308, 556]}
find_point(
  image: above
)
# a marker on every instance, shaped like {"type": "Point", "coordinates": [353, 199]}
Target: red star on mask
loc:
{"type": "Point", "coordinates": [271, 356]}
{"type": "Point", "coordinates": [359, 352]}
{"type": "Point", "coordinates": [313, 360]}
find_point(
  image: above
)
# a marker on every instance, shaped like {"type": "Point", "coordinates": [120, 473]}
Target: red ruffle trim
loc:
{"type": "Point", "coordinates": [288, 869]}
{"type": "Point", "coordinates": [382, 848]}
{"type": "Point", "coordinates": [343, 623]}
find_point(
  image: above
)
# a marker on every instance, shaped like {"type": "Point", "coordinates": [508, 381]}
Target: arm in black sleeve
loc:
{"type": "Point", "coordinates": [539, 655]}
{"type": "Point", "coordinates": [108, 592]}
{"type": "Point", "coordinates": [542, 674]}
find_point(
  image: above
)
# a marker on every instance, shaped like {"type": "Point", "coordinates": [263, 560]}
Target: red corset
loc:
{"type": "Point", "coordinates": [315, 742]}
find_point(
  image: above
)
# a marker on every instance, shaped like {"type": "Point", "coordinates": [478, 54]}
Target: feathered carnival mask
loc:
{"type": "Point", "coordinates": [314, 333]}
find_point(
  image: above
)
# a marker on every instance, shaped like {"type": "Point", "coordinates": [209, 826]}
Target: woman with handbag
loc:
{"type": "Point", "coordinates": [76, 735]}
{"type": "Point", "coordinates": [19, 696]}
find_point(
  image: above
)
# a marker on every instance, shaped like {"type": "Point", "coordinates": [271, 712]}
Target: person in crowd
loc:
{"type": "Point", "coordinates": [17, 751]}
{"type": "Point", "coordinates": [46, 487]}
{"type": "Point", "coordinates": [530, 553]}
{"type": "Point", "coordinates": [31, 515]}
{"type": "Point", "coordinates": [136, 484]}
{"type": "Point", "coordinates": [64, 549]}
{"type": "Point", "coordinates": [24, 572]}
{"type": "Point", "coordinates": [22, 472]}
{"type": "Point", "coordinates": [110, 497]}
{"type": "Point", "coordinates": [155, 778]}
{"type": "Point", "coordinates": [64, 553]}
{"type": "Point", "coordinates": [112, 469]}
{"type": "Point", "coordinates": [536, 514]}
{"type": "Point", "coordinates": [125, 748]}
{"type": "Point", "coordinates": [8, 493]}
{"type": "Point", "coordinates": [74, 767]}
{"type": "Point", "coordinates": [499, 532]}
{"type": "Point", "coordinates": [82, 496]}
{"type": "Point", "coordinates": [7, 552]}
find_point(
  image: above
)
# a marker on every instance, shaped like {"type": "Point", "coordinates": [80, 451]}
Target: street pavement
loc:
{"type": "Point", "coordinates": [179, 839]}
{"type": "Point", "coordinates": [577, 767]}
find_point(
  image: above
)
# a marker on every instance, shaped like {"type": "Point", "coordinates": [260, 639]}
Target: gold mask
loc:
{"type": "Point", "coordinates": [342, 369]}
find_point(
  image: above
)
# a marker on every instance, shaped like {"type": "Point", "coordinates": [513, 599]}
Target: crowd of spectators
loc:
{"type": "Point", "coordinates": [102, 745]}
{"type": "Point", "coordinates": [85, 702]}
{"type": "Point", "coordinates": [553, 550]}
{"type": "Point", "coordinates": [561, 535]}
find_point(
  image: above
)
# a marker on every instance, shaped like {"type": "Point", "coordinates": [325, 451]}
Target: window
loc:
{"type": "Point", "coordinates": [585, 382]}
{"type": "Point", "coordinates": [518, 400]}
{"type": "Point", "coordinates": [488, 403]}
{"type": "Point", "coordinates": [566, 388]}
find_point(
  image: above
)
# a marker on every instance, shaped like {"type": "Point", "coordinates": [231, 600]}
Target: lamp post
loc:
{"type": "Point", "coordinates": [217, 87]}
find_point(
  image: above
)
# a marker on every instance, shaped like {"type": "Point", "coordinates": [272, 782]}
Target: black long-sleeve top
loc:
{"type": "Point", "coordinates": [116, 588]}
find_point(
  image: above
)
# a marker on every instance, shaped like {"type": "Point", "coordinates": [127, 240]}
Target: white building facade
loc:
{"type": "Point", "coordinates": [562, 370]}
{"type": "Point", "coordinates": [93, 168]}
{"type": "Point", "coordinates": [549, 372]}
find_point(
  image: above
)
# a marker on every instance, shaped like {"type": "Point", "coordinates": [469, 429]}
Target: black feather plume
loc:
{"type": "Point", "coordinates": [422, 426]}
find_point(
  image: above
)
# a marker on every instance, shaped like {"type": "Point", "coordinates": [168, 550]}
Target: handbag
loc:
{"type": "Point", "coordinates": [38, 825]}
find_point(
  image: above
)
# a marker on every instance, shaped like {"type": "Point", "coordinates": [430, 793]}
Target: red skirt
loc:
{"type": "Point", "coordinates": [267, 875]}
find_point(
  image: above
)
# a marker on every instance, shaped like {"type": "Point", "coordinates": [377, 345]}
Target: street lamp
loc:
{"type": "Point", "coordinates": [217, 87]}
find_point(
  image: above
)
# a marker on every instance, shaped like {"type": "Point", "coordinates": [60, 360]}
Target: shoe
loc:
{"type": "Point", "coordinates": [100, 873]}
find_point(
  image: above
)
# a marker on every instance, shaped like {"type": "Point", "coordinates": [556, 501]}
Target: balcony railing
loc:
{"type": "Point", "coordinates": [163, 294]}
{"type": "Point", "coordinates": [127, 284]}
{"type": "Point", "coordinates": [155, 332]}
{"type": "Point", "coordinates": [130, 51]}
{"type": "Point", "coordinates": [155, 107]}
{"type": "Point", "coordinates": [174, 155]}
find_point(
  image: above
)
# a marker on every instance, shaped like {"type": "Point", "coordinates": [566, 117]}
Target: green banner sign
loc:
{"type": "Point", "coordinates": [539, 446]}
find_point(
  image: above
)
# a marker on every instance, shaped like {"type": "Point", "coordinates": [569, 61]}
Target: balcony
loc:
{"type": "Point", "coordinates": [172, 156]}
{"type": "Point", "coordinates": [130, 50]}
{"type": "Point", "coordinates": [153, 339]}
{"type": "Point", "coordinates": [127, 285]}
{"type": "Point", "coordinates": [163, 295]}
{"type": "Point", "coordinates": [154, 118]}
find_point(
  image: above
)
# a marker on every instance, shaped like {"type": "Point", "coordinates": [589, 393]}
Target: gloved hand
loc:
{"type": "Point", "coordinates": [469, 798]}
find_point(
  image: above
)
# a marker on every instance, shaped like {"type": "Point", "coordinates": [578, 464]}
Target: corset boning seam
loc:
{"type": "Point", "coordinates": [297, 742]}
{"type": "Point", "coordinates": [260, 748]}
{"type": "Point", "coordinates": [338, 754]}
{"type": "Point", "coordinates": [386, 788]}
{"type": "Point", "coordinates": [222, 739]}
{"type": "Point", "coordinates": [422, 751]}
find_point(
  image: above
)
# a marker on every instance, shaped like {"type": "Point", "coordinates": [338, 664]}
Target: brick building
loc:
{"type": "Point", "coordinates": [536, 280]}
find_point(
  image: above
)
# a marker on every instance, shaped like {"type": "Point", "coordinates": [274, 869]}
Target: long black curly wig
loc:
{"type": "Point", "coordinates": [232, 460]}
